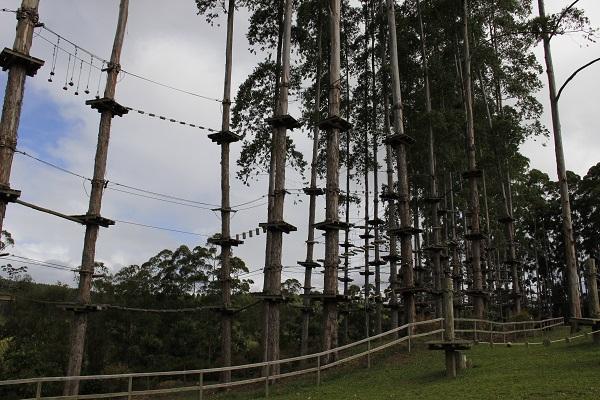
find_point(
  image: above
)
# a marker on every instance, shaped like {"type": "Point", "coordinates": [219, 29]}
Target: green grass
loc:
{"type": "Point", "coordinates": [560, 371]}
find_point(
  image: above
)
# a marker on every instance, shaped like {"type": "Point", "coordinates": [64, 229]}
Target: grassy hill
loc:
{"type": "Point", "coordinates": [560, 371]}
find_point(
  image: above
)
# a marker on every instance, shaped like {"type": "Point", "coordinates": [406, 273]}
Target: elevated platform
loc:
{"type": "Point", "coordinates": [313, 191]}
{"type": "Point", "coordinates": [220, 241]}
{"type": "Point", "coordinates": [399, 139]}
{"type": "Point", "coordinates": [10, 58]}
{"type": "Point", "coordinates": [334, 122]}
{"type": "Point", "coordinates": [224, 137]}
{"type": "Point", "coordinates": [329, 225]}
{"type": "Point", "coordinates": [283, 121]}
{"type": "Point", "coordinates": [106, 104]}
{"type": "Point", "coordinates": [278, 226]}
{"type": "Point", "coordinates": [88, 219]}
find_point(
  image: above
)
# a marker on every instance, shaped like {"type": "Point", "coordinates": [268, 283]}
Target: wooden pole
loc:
{"type": "Point", "coordinates": [330, 323]}
{"type": "Point", "coordinates": [375, 222]}
{"type": "Point", "coordinates": [570, 255]}
{"type": "Point", "coordinates": [391, 208]}
{"type": "Point", "coordinates": [435, 246]}
{"type": "Point", "coordinates": [593, 302]}
{"type": "Point", "coordinates": [79, 326]}
{"type": "Point", "coordinates": [275, 234]}
{"type": "Point", "coordinates": [366, 233]}
{"type": "Point", "coordinates": [225, 278]}
{"type": "Point", "coordinates": [474, 233]}
{"type": "Point", "coordinates": [310, 242]}
{"type": "Point", "coordinates": [401, 160]}
{"type": "Point", "coordinates": [27, 18]}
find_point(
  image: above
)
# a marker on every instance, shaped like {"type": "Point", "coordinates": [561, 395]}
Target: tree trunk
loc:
{"type": "Point", "coordinates": [570, 255]}
{"type": "Point", "coordinates": [474, 232]}
{"type": "Point", "coordinates": [310, 242]}
{"type": "Point", "coordinates": [391, 208]}
{"type": "Point", "coordinates": [78, 329]}
{"type": "Point", "coordinates": [275, 235]}
{"type": "Point", "coordinates": [401, 159]}
{"type": "Point", "coordinates": [330, 323]}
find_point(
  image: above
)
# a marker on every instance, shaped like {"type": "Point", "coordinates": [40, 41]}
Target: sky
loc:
{"type": "Point", "coordinates": [168, 43]}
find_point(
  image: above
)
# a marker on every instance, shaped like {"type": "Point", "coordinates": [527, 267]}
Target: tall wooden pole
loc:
{"type": "Point", "coordinates": [567, 224]}
{"type": "Point", "coordinates": [19, 68]}
{"type": "Point", "coordinates": [313, 191]}
{"type": "Point", "coordinates": [473, 174]}
{"type": "Point", "coordinates": [435, 246]}
{"type": "Point", "coordinates": [366, 233]}
{"type": "Point", "coordinates": [226, 244]}
{"type": "Point", "coordinates": [276, 226]}
{"type": "Point", "coordinates": [332, 236]}
{"type": "Point", "coordinates": [393, 256]}
{"type": "Point", "coordinates": [406, 231]}
{"type": "Point", "coordinates": [107, 108]}
{"type": "Point", "coordinates": [375, 222]}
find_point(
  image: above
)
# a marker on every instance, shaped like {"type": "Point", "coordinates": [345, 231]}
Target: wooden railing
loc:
{"type": "Point", "coordinates": [267, 372]}
{"type": "Point", "coordinates": [484, 331]}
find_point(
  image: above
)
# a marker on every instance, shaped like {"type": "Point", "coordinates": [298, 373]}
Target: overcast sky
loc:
{"type": "Point", "coordinates": [168, 42]}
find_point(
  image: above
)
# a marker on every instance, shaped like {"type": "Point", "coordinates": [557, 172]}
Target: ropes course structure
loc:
{"type": "Point", "coordinates": [429, 239]}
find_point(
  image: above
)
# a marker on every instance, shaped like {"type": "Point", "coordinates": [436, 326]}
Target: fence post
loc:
{"type": "Point", "coordinates": [200, 386]}
{"type": "Point", "coordinates": [129, 387]}
{"type": "Point", "coordinates": [38, 390]}
{"type": "Point", "coordinates": [267, 378]}
{"type": "Point", "coordinates": [369, 353]}
{"type": "Point", "coordinates": [475, 331]}
{"type": "Point", "coordinates": [318, 370]}
{"type": "Point", "coordinates": [409, 336]}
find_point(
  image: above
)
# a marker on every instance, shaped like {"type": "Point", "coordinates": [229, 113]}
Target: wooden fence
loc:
{"type": "Point", "coordinates": [267, 372]}
{"type": "Point", "coordinates": [484, 331]}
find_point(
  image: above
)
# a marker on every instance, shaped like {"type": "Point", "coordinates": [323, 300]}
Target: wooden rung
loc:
{"type": "Point", "coordinates": [107, 104]}
{"type": "Point", "coordinates": [10, 57]}
{"type": "Point", "coordinates": [279, 226]}
{"type": "Point", "coordinates": [88, 219]}
{"type": "Point", "coordinates": [376, 263]}
{"type": "Point", "coordinates": [347, 245]}
{"type": "Point", "coordinates": [399, 139]}
{"type": "Point", "coordinates": [8, 195]}
{"type": "Point", "coordinates": [363, 273]}
{"type": "Point", "coordinates": [283, 121]}
{"type": "Point", "coordinates": [224, 137]}
{"type": "Point", "coordinates": [367, 236]}
{"type": "Point", "coordinates": [219, 241]}
{"type": "Point", "coordinates": [335, 122]}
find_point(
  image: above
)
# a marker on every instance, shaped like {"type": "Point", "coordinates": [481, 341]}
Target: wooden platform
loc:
{"type": "Point", "coordinates": [399, 139]}
{"type": "Point", "coordinates": [224, 137]}
{"type": "Point", "coordinates": [335, 122]}
{"type": "Point", "coordinates": [107, 104]}
{"type": "Point", "coordinates": [10, 57]}
{"type": "Point", "coordinates": [283, 121]}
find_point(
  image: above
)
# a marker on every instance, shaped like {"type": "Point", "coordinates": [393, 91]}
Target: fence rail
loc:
{"type": "Point", "coordinates": [484, 331]}
{"type": "Point", "coordinates": [270, 370]}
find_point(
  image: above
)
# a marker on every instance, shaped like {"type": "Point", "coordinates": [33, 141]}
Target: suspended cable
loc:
{"type": "Point", "coordinates": [162, 228]}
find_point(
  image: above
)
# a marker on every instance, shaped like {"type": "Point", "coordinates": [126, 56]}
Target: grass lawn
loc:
{"type": "Point", "coordinates": [560, 371]}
